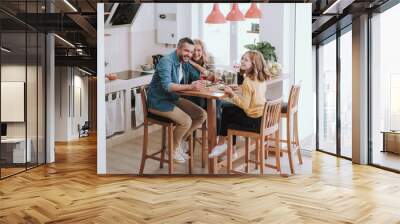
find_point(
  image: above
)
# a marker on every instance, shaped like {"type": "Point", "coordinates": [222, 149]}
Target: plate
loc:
{"type": "Point", "coordinates": [234, 86]}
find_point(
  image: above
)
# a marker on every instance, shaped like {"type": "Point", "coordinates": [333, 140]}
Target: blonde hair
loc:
{"type": "Point", "coordinates": [204, 60]}
{"type": "Point", "coordinates": [259, 69]}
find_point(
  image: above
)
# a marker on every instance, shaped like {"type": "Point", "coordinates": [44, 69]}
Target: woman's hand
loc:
{"type": "Point", "coordinates": [198, 85]}
{"type": "Point", "coordinates": [228, 90]}
{"type": "Point", "coordinates": [212, 77]}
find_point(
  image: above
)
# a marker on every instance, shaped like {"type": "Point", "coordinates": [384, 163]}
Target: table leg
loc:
{"type": "Point", "coordinates": [212, 133]}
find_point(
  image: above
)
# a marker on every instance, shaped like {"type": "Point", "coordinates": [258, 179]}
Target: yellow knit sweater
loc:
{"type": "Point", "coordinates": [253, 97]}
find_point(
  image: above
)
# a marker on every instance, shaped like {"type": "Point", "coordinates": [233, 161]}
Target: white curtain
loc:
{"type": "Point", "coordinates": [138, 109]}
{"type": "Point", "coordinates": [115, 115]}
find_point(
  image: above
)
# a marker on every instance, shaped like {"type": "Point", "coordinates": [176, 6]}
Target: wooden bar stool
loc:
{"type": "Point", "coordinates": [203, 143]}
{"type": "Point", "coordinates": [269, 127]}
{"type": "Point", "coordinates": [290, 112]}
{"type": "Point", "coordinates": [167, 133]}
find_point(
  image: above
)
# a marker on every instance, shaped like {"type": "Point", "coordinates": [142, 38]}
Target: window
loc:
{"type": "Point", "coordinates": [220, 37]}
{"type": "Point", "coordinates": [22, 64]}
{"type": "Point", "coordinates": [245, 33]}
{"type": "Point", "coordinates": [346, 94]}
{"type": "Point", "coordinates": [327, 96]}
{"type": "Point", "coordinates": [216, 36]}
{"type": "Point", "coordinates": [385, 89]}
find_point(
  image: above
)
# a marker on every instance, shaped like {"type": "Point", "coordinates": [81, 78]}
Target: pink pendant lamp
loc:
{"type": "Point", "coordinates": [215, 16]}
{"type": "Point", "coordinates": [235, 14]}
{"type": "Point", "coordinates": [254, 12]}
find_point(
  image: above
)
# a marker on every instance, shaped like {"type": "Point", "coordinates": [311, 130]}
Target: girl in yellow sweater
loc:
{"type": "Point", "coordinates": [248, 107]}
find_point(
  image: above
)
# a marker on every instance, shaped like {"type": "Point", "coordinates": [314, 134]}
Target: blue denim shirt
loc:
{"type": "Point", "coordinates": [159, 95]}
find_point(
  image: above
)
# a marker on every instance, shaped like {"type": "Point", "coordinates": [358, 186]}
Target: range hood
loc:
{"type": "Point", "coordinates": [123, 14]}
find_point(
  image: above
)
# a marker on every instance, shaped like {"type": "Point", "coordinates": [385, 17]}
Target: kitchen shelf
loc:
{"type": "Point", "coordinates": [249, 31]}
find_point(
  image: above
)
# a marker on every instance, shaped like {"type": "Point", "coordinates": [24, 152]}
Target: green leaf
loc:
{"type": "Point", "coordinates": [265, 48]}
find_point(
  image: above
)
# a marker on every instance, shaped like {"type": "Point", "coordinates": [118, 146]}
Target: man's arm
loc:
{"type": "Point", "coordinates": [179, 87]}
{"type": "Point", "coordinates": [165, 71]}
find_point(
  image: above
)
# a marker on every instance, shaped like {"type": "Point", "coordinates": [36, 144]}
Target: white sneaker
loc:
{"type": "Point", "coordinates": [178, 157]}
{"type": "Point", "coordinates": [181, 151]}
{"type": "Point", "coordinates": [218, 150]}
{"type": "Point", "coordinates": [185, 146]}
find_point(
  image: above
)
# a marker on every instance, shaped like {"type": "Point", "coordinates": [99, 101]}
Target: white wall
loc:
{"type": "Point", "coordinates": [50, 96]}
{"type": "Point", "coordinates": [117, 47]}
{"type": "Point", "coordinates": [304, 74]}
{"type": "Point", "coordinates": [66, 121]}
{"type": "Point", "coordinates": [288, 28]}
{"type": "Point", "coordinates": [15, 72]}
{"type": "Point", "coordinates": [275, 30]}
{"type": "Point", "coordinates": [61, 104]}
{"type": "Point", "coordinates": [101, 103]}
{"type": "Point", "coordinates": [130, 46]}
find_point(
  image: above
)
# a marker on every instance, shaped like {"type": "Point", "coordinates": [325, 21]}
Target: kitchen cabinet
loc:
{"type": "Point", "coordinates": [166, 23]}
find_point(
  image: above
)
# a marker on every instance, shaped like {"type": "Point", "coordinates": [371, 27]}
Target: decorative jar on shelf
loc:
{"type": "Point", "coordinates": [275, 68]}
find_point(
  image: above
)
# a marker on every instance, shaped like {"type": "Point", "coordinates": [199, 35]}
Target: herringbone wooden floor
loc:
{"type": "Point", "coordinates": [69, 191]}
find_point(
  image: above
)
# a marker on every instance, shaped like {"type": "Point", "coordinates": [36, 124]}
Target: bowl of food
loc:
{"type": "Point", "coordinates": [221, 86]}
{"type": "Point", "coordinates": [147, 67]}
{"type": "Point", "coordinates": [112, 76]}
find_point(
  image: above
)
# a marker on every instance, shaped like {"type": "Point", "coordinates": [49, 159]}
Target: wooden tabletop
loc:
{"type": "Point", "coordinates": [208, 93]}
{"type": "Point", "coordinates": [213, 92]}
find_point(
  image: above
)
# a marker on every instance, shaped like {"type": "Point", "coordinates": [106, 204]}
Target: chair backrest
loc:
{"type": "Point", "coordinates": [293, 99]}
{"type": "Point", "coordinates": [271, 117]}
{"type": "Point", "coordinates": [86, 125]}
{"type": "Point", "coordinates": [143, 94]}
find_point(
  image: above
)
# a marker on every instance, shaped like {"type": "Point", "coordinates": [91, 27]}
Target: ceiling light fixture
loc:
{"type": "Point", "coordinates": [5, 50]}
{"type": "Point", "coordinates": [337, 7]}
{"type": "Point", "coordinates": [216, 16]}
{"type": "Point", "coordinates": [70, 5]}
{"type": "Point", "coordinates": [235, 14]}
{"type": "Point", "coordinates": [86, 72]}
{"type": "Point", "coordinates": [254, 12]}
{"type": "Point", "coordinates": [64, 40]}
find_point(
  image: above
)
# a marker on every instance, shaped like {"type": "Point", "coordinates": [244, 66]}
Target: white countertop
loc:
{"type": "Point", "coordinates": [130, 79]}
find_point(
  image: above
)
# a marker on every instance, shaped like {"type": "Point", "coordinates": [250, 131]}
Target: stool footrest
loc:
{"type": "Point", "coordinates": [271, 166]}
{"type": "Point", "coordinates": [237, 172]}
{"type": "Point", "coordinates": [158, 159]}
{"type": "Point", "coordinates": [156, 153]}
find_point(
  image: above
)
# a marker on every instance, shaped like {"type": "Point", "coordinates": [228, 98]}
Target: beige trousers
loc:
{"type": "Point", "coordinates": [187, 116]}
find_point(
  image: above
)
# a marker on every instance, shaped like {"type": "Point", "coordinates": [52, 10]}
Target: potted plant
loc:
{"type": "Point", "coordinates": [268, 51]}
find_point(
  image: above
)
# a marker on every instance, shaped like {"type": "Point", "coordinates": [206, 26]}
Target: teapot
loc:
{"type": "Point", "coordinates": [156, 59]}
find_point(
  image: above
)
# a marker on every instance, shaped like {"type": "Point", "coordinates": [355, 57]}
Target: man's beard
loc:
{"type": "Point", "coordinates": [182, 58]}
{"type": "Point", "coordinates": [185, 59]}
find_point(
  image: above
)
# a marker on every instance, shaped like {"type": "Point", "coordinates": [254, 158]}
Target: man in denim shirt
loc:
{"type": "Point", "coordinates": [175, 73]}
